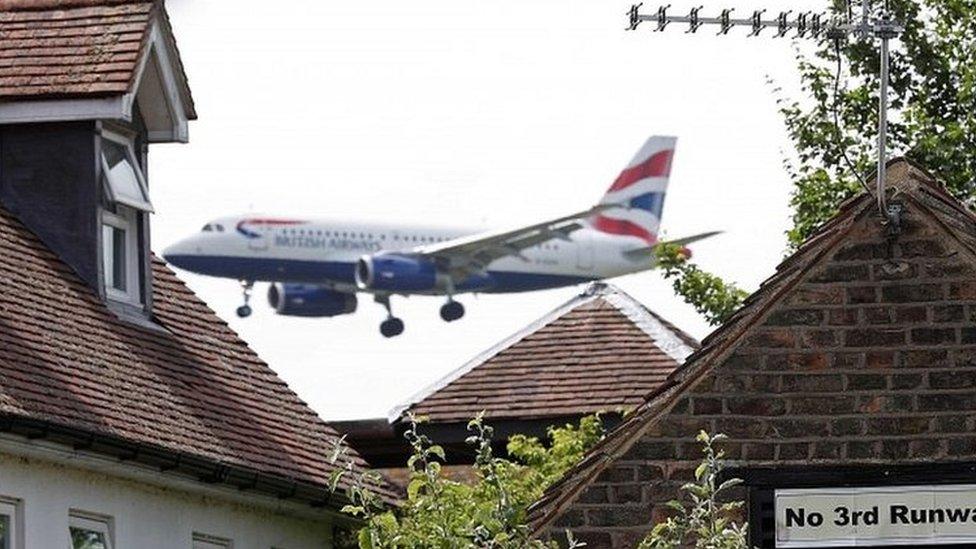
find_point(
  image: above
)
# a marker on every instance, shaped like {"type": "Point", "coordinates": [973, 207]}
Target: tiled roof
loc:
{"type": "Point", "coordinates": [601, 351]}
{"type": "Point", "coordinates": [193, 388]}
{"type": "Point", "coordinates": [914, 186]}
{"type": "Point", "coordinates": [76, 48]}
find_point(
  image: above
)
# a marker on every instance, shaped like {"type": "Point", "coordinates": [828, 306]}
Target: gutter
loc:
{"type": "Point", "coordinates": [158, 465]}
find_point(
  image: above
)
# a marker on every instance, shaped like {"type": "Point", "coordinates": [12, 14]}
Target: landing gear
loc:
{"type": "Point", "coordinates": [392, 326]}
{"type": "Point", "coordinates": [451, 311]}
{"type": "Point", "coordinates": [244, 310]}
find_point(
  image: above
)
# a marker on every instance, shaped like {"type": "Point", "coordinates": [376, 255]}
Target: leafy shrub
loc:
{"type": "Point", "coordinates": [711, 296]}
{"type": "Point", "coordinates": [488, 513]}
{"type": "Point", "coordinates": [707, 522]}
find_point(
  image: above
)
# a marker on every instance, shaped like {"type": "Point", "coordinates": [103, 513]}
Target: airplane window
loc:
{"type": "Point", "coordinates": [207, 228]}
{"type": "Point", "coordinates": [370, 235]}
{"type": "Point", "coordinates": [396, 237]}
{"type": "Point", "coordinates": [220, 228]}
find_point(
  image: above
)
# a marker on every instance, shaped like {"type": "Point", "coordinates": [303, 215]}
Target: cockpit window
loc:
{"type": "Point", "coordinates": [219, 227]}
{"type": "Point", "coordinates": [207, 228]}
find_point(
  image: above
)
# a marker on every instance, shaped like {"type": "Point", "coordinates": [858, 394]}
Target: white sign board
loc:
{"type": "Point", "coordinates": [890, 515]}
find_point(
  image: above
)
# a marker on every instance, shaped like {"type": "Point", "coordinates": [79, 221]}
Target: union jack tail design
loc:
{"type": "Point", "coordinates": [640, 189]}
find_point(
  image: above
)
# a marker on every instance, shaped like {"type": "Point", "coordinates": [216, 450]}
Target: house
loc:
{"type": "Point", "coordinates": [846, 385]}
{"type": "Point", "coordinates": [130, 415]}
{"type": "Point", "coordinates": [600, 352]}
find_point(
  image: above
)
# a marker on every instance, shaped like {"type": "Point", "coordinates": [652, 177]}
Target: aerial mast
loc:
{"type": "Point", "coordinates": [867, 27]}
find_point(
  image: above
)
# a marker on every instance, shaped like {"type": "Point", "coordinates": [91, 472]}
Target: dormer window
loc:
{"type": "Point", "coordinates": [123, 218]}
{"type": "Point", "coordinates": [120, 254]}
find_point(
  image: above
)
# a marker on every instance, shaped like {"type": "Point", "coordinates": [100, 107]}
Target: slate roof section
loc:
{"type": "Point", "coordinates": [78, 48]}
{"type": "Point", "coordinates": [912, 184]}
{"type": "Point", "coordinates": [192, 389]}
{"type": "Point", "coordinates": [600, 351]}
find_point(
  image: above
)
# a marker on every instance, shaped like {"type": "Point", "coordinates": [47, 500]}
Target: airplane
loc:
{"type": "Point", "coordinates": [317, 267]}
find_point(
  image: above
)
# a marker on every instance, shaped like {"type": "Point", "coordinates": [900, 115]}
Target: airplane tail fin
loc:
{"type": "Point", "coordinates": [639, 190]}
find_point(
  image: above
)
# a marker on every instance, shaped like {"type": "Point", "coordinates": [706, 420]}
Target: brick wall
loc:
{"type": "Point", "coordinates": [870, 359]}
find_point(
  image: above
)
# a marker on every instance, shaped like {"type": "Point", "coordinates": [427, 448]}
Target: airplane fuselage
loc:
{"type": "Point", "coordinates": [276, 249]}
{"type": "Point", "coordinates": [318, 266]}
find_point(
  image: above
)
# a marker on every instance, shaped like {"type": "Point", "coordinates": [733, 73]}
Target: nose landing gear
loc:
{"type": "Point", "coordinates": [244, 310]}
{"type": "Point", "coordinates": [392, 326]}
{"type": "Point", "coordinates": [451, 311]}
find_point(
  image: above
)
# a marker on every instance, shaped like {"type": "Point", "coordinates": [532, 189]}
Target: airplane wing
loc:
{"type": "Point", "coordinates": [642, 252]}
{"type": "Point", "coordinates": [467, 255]}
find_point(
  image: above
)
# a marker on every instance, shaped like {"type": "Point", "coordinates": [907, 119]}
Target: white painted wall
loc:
{"type": "Point", "coordinates": [145, 515]}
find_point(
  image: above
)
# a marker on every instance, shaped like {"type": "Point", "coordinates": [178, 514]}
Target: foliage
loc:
{"type": "Point", "coordinates": [710, 295]}
{"type": "Point", "coordinates": [707, 522]}
{"type": "Point", "coordinates": [933, 100]}
{"type": "Point", "coordinates": [544, 464]}
{"type": "Point", "coordinates": [488, 513]}
{"type": "Point", "coordinates": [833, 126]}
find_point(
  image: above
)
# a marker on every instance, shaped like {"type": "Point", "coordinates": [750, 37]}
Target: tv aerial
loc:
{"type": "Point", "coordinates": [868, 26]}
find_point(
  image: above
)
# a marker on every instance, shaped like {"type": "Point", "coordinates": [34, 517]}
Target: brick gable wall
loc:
{"type": "Point", "coordinates": [867, 360]}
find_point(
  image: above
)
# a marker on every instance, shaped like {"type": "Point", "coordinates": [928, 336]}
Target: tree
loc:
{"type": "Point", "coordinates": [711, 296]}
{"type": "Point", "coordinates": [833, 126]}
{"type": "Point", "coordinates": [707, 522]}
{"type": "Point", "coordinates": [489, 513]}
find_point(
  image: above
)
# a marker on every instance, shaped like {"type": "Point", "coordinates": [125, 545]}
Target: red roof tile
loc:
{"type": "Point", "coordinates": [194, 388]}
{"type": "Point", "coordinates": [601, 351]}
{"type": "Point", "coordinates": [76, 48]}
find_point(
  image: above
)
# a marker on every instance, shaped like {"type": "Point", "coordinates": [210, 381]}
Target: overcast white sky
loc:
{"type": "Point", "coordinates": [460, 112]}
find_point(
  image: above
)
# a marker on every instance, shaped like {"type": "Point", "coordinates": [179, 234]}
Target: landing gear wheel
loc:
{"type": "Point", "coordinates": [451, 311]}
{"type": "Point", "coordinates": [391, 327]}
{"type": "Point", "coordinates": [244, 310]}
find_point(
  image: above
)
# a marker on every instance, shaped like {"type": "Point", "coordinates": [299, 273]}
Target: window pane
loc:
{"type": "Point", "coordinates": [121, 176]}
{"type": "Point", "coordinates": [113, 257]}
{"type": "Point", "coordinates": [4, 532]}
{"type": "Point", "coordinates": [82, 538]}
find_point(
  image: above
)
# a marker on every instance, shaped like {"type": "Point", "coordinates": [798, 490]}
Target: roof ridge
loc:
{"type": "Point", "coordinates": [665, 338]}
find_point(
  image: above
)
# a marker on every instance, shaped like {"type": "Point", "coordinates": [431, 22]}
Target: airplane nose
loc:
{"type": "Point", "coordinates": [182, 254]}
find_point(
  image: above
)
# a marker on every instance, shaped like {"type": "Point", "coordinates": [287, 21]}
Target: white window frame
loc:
{"type": "Point", "coordinates": [126, 220]}
{"type": "Point", "coordinates": [12, 508]}
{"type": "Point", "coordinates": [126, 143]}
{"type": "Point", "coordinates": [92, 522]}
{"type": "Point", "coordinates": [206, 541]}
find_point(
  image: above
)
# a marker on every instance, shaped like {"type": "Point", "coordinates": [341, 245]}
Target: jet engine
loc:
{"type": "Point", "coordinates": [397, 273]}
{"type": "Point", "coordinates": [310, 300]}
